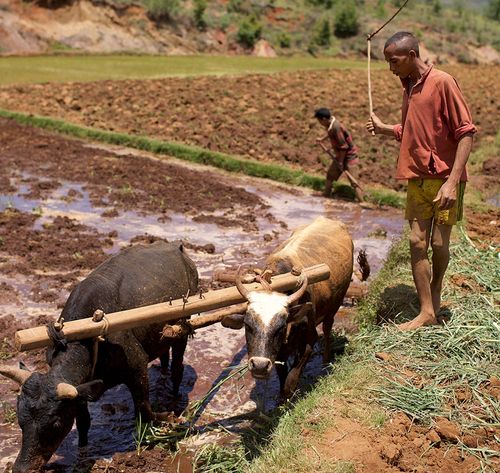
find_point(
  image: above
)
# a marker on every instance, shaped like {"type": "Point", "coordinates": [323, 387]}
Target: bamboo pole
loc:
{"type": "Point", "coordinates": [189, 326]}
{"type": "Point", "coordinates": [370, 100]}
{"type": "Point", "coordinates": [37, 337]}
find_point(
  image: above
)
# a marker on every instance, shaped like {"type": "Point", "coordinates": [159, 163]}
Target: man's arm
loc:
{"type": "Point", "coordinates": [378, 127]}
{"type": "Point", "coordinates": [447, 195]}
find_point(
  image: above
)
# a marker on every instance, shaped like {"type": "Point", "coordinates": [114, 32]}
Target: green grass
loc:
{"type": "Point", "coordinates": [190, 153]}
{"type": "Point", "coordinates": [85, 68]}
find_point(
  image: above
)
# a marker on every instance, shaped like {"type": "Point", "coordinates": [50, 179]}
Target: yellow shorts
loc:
{"type": "Point", "coordinates": [419, 205]}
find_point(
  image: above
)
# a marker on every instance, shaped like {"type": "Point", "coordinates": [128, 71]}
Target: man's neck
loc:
{"type": "Point", "coordinates": [418, 71]}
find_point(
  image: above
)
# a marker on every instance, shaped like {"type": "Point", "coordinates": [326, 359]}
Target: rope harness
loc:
{"type": "Point", "coordinates": [56, 335]}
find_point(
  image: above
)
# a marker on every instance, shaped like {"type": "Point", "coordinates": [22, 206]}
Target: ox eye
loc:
{"type": "Point", "coordinates": [57, 425]}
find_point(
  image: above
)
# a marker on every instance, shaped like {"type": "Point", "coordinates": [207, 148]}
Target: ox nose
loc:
{"type": "Point", "coordinates": [260, 367]}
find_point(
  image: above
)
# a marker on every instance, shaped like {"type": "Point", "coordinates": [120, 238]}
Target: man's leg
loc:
{"type": "Point", "coordinates": [332, 175]}
{"type": "Point", "coordinates": [420, 231]}
{"type": "Point", "coordinates": [353, 171]}
{"type": "Point", "coordinates": [440, 243]}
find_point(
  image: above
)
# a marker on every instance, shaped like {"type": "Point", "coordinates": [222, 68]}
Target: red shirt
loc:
{"type": "Point", "coordinates": [341, 140]}
{"type": "Point", "coordinates": [434, 119]}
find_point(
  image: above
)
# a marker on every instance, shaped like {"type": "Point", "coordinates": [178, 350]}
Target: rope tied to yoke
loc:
{"type": "Point", "coordinates": [98, 316]}
{"type": "Point", "coordinates": [56, 335]}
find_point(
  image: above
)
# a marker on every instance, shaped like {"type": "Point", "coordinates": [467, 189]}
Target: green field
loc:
{"type": "Point", "coordinates": [39, 69]}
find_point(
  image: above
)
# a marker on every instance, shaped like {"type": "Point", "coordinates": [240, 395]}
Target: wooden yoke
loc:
{"type": "Point", "coordinates": [37, 337]}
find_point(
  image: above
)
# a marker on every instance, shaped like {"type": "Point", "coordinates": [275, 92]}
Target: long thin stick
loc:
{"type": "Point", "coordinates": [370, 36]}
{"type": "Point", "coordinates": [370, 79]}
{"type": "Point", "coordinates": [369, 39]}
{"type": "Point", "coordinates": [189, 326]}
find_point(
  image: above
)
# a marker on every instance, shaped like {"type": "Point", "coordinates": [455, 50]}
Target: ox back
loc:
{"type": "Point", "coordinates": [49, 403]}
{"type": "Point", "coordinates": [290, 334]}
{"type": "Point", "coordinates": [322, 241]}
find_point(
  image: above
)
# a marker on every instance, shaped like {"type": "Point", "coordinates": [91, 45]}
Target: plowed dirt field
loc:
{"type": "Point", "coordinates": [264, 117]}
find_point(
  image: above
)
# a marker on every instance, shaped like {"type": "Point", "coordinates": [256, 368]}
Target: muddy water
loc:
{"type": "Point", "coordinates": [213, 349]}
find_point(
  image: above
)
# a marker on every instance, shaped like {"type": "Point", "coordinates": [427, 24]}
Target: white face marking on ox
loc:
{"type": "Point", "coordinates": [266, 305]}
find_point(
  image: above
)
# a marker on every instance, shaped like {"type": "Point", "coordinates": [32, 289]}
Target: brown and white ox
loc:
{"type": "Point", "coordinates": [280, 326]}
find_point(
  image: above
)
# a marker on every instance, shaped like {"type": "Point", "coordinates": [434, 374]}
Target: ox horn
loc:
{"type": "Point", "coordinates": [300, 292]}
{"type": "Point", "coordinates": [16, 374]}
{"type": "Point", "coordinates": [243, 290]}
{"type": "Point", "coordinates": [66, 391]}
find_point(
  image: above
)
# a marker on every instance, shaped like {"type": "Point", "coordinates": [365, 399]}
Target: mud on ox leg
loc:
{"type": "Point", "coordinates": [299, 343]}
{"type": "Point", "coordinates": [176, 368]}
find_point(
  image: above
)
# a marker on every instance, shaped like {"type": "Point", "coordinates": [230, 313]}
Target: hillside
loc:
{"type": "Point", "coordinates": [450, 30]}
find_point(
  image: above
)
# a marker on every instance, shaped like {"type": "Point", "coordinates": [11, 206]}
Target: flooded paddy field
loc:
{"type": "Point", "coordinates": [66, 205]}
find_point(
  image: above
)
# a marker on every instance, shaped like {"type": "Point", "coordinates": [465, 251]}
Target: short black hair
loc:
{"type": "Point", "coordinates": [408, 39]}
{"type": "Point", "coordinates": [322, 113]}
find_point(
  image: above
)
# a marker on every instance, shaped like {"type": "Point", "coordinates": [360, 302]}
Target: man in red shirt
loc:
{"type": "Point", "coordinates": [346, 152]}
{"type": "Point", "coordinates": [436, 133]}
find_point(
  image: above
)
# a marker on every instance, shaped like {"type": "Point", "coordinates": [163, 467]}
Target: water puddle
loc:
{"type": "Point", "coordinates": [214, 348]}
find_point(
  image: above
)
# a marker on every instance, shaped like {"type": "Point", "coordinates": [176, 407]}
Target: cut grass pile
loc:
{"type": "Point", "coordinates": [198, 155]}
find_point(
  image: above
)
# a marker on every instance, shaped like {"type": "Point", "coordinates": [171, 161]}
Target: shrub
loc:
{"type": "Point", "coordinates": [199, 11]}
{"type": "Point", "coordinates": [493, 10]}
{"type": "Point", "coordinates": [284, 40]}
{"type": "Point", "coordinates": [323, 34]}
{"type": "Point", "coordinates": [346, 21]}
{"type": "Point", "coordinates": [160, 10]}
{"type": "Point", "coordinates": [235, 6]}
{"type": "Point", "coordinates": [249, 32]}
{"type": "Point", "coordinates": [322, 3]}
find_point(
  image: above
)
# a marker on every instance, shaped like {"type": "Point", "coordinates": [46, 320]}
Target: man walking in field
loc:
{"type": "Point", "coordinates": [436, 139]}
{"type": "Point", "coordinates": [345, 152]}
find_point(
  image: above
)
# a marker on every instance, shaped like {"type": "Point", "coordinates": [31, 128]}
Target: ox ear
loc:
{"type": "Point", "coordinates": [91, 391]}
{"type": "Point", "coordinates": [234, 321]}
{"type": "Point", "coordinates": [298, 312]}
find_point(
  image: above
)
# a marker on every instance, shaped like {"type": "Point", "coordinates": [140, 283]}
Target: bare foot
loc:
{"type": "Point", "coordinates": [420, 320]}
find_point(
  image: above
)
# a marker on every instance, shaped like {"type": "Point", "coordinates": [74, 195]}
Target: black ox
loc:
{"type": "Point", "coordinates": [49, 403]}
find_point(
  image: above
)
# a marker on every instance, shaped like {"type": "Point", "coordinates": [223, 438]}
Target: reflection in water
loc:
{"type": "Point", "coordinates": [213, 348]}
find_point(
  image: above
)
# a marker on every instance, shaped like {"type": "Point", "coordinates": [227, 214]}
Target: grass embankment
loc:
{"type": "Point", "coordinates": [88, 68]}
{"type": "Point", "coordinates": [435, 371]}
{"type": "Point", "coordinates": [198, 155]}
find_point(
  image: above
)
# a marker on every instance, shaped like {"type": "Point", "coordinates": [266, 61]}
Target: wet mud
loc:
{"type": "Point", "coordinates": [66, 205]}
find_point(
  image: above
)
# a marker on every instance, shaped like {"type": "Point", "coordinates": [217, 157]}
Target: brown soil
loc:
{"type": "Point", "coordinates": [263, 117]}
{"type": "Point", "coordinates": [399, 446]}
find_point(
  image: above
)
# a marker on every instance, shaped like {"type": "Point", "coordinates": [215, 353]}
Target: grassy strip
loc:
{"type": "Point", "coordinates": [88, 67]}
{"type": "Point", "coordinates": [195, 154]}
